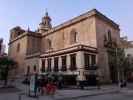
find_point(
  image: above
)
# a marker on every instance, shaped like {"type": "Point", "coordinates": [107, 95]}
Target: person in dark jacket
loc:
{"type": "Point", "coordinates": [98, 82]}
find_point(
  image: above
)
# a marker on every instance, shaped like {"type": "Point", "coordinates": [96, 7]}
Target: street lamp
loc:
{"type": "Point", "coordinates": [118, 71]}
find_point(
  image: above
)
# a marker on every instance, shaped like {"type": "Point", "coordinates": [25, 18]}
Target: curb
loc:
{"type": "Point", "coordinates": [95, 94]}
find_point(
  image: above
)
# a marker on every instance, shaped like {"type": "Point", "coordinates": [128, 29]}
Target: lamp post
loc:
{"type": "Point", "coordinates": [118, 70]}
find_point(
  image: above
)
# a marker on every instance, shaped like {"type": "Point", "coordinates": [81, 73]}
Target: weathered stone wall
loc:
{"type": "Point", "coordinates": [19, 56]}
{"type": "Point", "coordinates": [102, 28]}
{"type": "Point", "coordinates": [61, 39]}
{"type": "Point", "coordinates": [34, 45]}
{"type": "Point", "coordinates": [90, 32]}
{"type": "Point", "coordinates": [31, 63]}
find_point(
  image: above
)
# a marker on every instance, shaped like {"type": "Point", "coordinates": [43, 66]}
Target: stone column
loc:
{"type": "Point", "coordinates": [52, 64]}
{"type": "Point", "coordinates": [46, 64]}
{"type": "Point", "coordinates": [60, 63]}
{"type": "Point", "coordinates": [68, 61]}
{"type": "Point", "coordinates": [80, 59]}
{"type": "Point", "coordinates": [39, 65]}
{"type": "Point", "coordinates": [80, 65]}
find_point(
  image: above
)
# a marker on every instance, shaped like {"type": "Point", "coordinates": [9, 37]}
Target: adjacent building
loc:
{"type": "Point", "coordinates": [128, 48]}
{"type": "Point", "coordinates": [127, 45]}
{"type": "Point", "coordinates": [2, 47]}
{"type": "Point", "coordinates": [75, 48]}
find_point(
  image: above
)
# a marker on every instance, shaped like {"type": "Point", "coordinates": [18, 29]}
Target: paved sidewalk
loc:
{"type": "Point", "coordinates": [76, 93]}
{"type": "Point", "coordinates": [60, 94]}
{"type": "Point", "coordinates": [69, 94]}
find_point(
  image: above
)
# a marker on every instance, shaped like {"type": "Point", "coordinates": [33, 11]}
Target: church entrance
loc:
{"type": "Point", "coordinates": [69, 79]}
{"type": "Point", "coordinates": [91, 80]}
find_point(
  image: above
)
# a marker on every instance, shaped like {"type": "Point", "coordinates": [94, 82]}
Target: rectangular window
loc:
{"type": "Point", "coordinates": [90, 61]}
{"type": "Point", "coordinates": [87, 61]}
{"type": "Point", "coordinates": [64, 65]}
{"type": "Point", "coordinates": [43, 65]}
{"type": "Point", "coordinates": [73, 62]}
{"type": "Point", "coordinates": [93, 60]}
{"type": "Point", "coordinates": [56, 67]}
{"type": "Point", "coordinates": [49, 65]}
{"type": "Point", "coordinates": [75, 37]}
{"type": "Point", "coordinates": [109, 35]}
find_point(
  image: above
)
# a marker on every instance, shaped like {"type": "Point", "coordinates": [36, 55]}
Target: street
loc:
{"type": "Point", "coordinates": [112, 96]}
{"type": "Point", "coordinates": [110, 92]}
{"type": "Point", "coordinates": [115, 96]}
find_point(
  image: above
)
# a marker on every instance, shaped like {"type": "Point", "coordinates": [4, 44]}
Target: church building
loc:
{"type": "Point", "coordinates": [75, 48]}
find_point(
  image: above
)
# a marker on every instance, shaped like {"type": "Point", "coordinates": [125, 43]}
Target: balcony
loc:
{"type": "Point", "coordinates": [91, 67]}
{"type": "Point", "coordinates": [110, 43]}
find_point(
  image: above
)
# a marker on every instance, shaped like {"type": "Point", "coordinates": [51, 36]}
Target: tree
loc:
{"type": "Point", "coordinates": [118, 63]}
{"type": "Point", "coordinates": [6, 65]}
{"type": "Point", "coordinates": [129, 66]}
{"type": "Point", "coordinates": [122, 63]}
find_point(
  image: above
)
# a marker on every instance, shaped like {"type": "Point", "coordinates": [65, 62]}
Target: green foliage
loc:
{"type": "Point", "coordinates": [6, 61]}
{"type": "Point", "coordinates": [6, 65]}
{"type": "Point", "coordinates": [118, 59]}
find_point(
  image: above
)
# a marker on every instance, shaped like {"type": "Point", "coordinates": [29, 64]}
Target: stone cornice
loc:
{"type": "Point", "coordinates": [71, 49]}
{"type": "Point", "coordinates": [32, 55]}
{"type": "Point", "coordinates": [77, 19]}
{"type": "Point", "coordinates": [84, 16]}
{"type": "Point", "coordinates": [38, 35]}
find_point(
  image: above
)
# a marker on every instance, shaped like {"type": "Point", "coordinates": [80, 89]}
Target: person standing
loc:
{"type": "Point", "coordinates": [98, 82]}
{"type": "Point", "coordinates": [60, 82]}
{"type": "Point", "coordinates": [50, 88]}
{"type": "Point", "coordinates": [36, 84]}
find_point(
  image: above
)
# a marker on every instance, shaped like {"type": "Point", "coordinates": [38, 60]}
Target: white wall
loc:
{"type": "Point", "coordinates": [129, 51]}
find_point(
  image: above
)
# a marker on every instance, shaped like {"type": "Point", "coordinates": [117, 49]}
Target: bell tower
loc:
{"type": "Point", "coordinates": [45, 25]}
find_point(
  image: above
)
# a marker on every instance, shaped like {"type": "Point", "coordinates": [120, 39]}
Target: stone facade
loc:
{"type": "Point", "coordinates": [75, 47]}
{"type": "Point", "coordinates": [1, 43]}
{"type": "Point", "coordinates": [2, 47]}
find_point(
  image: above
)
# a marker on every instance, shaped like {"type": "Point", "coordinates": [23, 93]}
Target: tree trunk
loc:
{"type": "Point", "coordinates": [6, 76]}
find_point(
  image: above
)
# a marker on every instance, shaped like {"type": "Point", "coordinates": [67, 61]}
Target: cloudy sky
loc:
{"type": "Point", "coordinates": [26, 13]}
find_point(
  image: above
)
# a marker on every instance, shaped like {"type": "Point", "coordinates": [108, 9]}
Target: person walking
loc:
{"type": "Point", "coordinates": [60, 82]}
{"type": "Point", "coordinates": [44, 84]}
{"type": "Point", "coordinates": [50, 88]}
{"type": "Point", "coordinates": [98, 82]}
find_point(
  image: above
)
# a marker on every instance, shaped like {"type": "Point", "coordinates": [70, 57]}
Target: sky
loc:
{"type": "Point", "coordinates": [28, 13]}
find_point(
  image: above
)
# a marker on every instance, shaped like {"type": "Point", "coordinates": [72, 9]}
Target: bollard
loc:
{"type": "Point", "coordinates": [19, 97]}
{"type": "Point", "coordinates": [21, 94]}
{"type": "Point", "coordinates": [37, 98]}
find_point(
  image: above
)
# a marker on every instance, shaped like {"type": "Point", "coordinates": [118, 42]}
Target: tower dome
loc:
{"type": "Point", "coordinates": [45, 25]}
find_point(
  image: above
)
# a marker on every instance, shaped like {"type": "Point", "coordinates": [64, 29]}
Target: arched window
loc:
{"type": "Point", "coordinates": [18, 47]}
{"type": "Point", "coordinates": [109, 35]}
{"type": "Point", "coordinates": [28, 70]}
{"type": "Point", "coordinates": [43, 65]}
{"type": "Point", "coordinates": [34, 68]}
{"type": "Point", "coordinates": [49, 44]}
{"type": "Point", "coordinates": [73, 36]}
